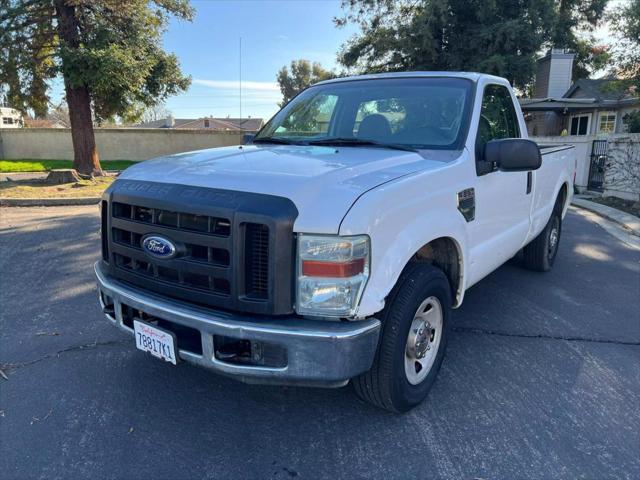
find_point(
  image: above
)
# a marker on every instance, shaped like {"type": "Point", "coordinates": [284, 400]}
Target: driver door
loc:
{"type": "Point", "coordinates": [503, 199]}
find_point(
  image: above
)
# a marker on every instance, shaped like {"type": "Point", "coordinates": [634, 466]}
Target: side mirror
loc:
{"type": "Point", "coordinates": [513, 154]}
{"type": "Point", "coordinates": [247, 138]}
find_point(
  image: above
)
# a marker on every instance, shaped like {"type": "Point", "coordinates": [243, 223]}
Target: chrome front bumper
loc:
{"type": "Point", "coordinates": [319, 353]}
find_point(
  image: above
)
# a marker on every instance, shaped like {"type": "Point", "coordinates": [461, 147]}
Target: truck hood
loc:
{"type": "Point", "coordinates": [323, 182]}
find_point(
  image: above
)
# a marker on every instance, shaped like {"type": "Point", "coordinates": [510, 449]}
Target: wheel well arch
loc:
{"type": "Point", "coordinates": [562, 198]}
{"type": "Point", "coordinates": [446, 254]}
{"type": "Point", "coordinates": [561, 202]}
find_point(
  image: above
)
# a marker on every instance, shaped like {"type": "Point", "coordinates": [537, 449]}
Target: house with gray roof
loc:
{"type": "Point", "coordinates": [207, 123]}
{"type": "Point", "coordinates": [585, 107]}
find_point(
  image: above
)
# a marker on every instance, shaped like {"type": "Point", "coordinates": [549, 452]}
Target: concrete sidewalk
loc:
{"type": "Point", "coordinates": [630, 222]}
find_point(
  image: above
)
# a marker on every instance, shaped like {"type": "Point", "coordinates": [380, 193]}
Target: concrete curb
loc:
{"type": "Point", "coordinates": [48, 202]}
{"type": "Point", "coordinates": [628, 221]}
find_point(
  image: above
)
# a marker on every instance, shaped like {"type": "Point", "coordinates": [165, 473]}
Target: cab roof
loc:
{"type": "Point", "coordinates": [473, 76]}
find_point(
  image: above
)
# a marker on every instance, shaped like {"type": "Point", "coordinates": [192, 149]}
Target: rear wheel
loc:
{"type": "Point", "coordinates": [414, 336]}
{"type": "Point", "coordinates": [541, 253]}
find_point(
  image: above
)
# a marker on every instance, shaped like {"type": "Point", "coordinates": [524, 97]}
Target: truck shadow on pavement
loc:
{"type": "Point", "coordinates": [540, 377]}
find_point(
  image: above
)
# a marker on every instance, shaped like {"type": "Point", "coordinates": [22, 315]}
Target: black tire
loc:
{"type": "Point", "coordinates": [540, 254]}
{"type": "Point", "coordinates": [386, 384]}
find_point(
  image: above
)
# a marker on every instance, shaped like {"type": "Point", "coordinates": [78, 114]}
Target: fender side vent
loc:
{"type": "Point", "coordinates": [467, 204]}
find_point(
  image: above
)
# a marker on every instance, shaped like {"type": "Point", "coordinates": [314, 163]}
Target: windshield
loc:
{"type": "Point", "coordinates": [420, 113]}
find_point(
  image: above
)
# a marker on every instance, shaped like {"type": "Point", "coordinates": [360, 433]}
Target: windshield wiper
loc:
{"type": "Point", "coordinates": [356, 142]}
{"type": "Point", "coordinates": [276, 140]}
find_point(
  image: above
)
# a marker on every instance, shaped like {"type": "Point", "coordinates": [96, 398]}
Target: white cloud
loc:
{"type": "Point", "coordinates": [233, 85]}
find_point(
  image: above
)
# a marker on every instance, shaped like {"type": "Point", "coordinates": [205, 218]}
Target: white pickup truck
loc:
{"type": "Point", "coordinates": [335, 244]}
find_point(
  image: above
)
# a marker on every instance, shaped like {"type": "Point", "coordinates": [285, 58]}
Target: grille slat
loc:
{"type": "Point", "coordinates": [256, 260]}
{"type": "Point", "coordinates": [194, 252]}
{"type": "Point", "coordinates": [169, 275]}
{"type": "Point", "coordinates": [174, 234]}
{"type": "Point", "coordinates": [176, 263]}
{"type": "Point", "coordinates": [104, 228]}
{"type": "Point", "coordinates": [179, 220]}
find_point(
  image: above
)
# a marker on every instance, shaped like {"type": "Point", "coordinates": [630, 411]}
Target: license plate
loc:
{"type": "Point", "coordinates": [157, 342]}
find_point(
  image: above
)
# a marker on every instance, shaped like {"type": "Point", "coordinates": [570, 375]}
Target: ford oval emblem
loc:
{"type": "Point", "coordinates": [158, 247]}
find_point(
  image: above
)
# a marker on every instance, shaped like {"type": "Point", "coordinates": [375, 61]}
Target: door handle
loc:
{"type": "Point", "coordinates": [529, 182]}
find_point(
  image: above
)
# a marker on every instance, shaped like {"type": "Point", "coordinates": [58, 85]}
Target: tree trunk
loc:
{"type": "Point", "coordinates": [85, 153]}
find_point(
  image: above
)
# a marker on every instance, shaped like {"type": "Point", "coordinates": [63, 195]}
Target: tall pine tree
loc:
{"type": "Point", "coordinates": [106, 51]}
{"type": "Point", "coordinates": [502, 37]}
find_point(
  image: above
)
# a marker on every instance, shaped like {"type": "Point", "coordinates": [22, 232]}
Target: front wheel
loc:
{"type": "Point", "coordinates": [414, 336]}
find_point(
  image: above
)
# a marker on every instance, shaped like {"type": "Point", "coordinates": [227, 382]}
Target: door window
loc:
{"type": "Point", "coordinates": [498, 120]}
{"type": "Point", "coordinates": [498, 117]}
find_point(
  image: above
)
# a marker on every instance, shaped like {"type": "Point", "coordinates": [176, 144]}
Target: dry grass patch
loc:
{"type": "Point", "coordinates": [39, 189]}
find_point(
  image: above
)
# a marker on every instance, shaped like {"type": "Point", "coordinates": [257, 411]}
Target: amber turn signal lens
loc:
{"type": "Point", "coordinates": [314, 268]}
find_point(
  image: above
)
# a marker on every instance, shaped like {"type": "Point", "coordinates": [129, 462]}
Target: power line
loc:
{"type": "Point", "coordinates": [277, 95]}
{"type": "Point", "coordinates": [240, 71]}
{"type": "Point", "coordinates": [201, 107]}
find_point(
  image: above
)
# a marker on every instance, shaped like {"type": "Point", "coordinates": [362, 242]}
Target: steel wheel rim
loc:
{"type": "Point", "coordinates": [554, 237]}
{"type": "Point", "coordinates": [423, 340]}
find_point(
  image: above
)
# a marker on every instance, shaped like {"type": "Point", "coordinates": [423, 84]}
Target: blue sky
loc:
{"type": "Point", "coordinates": [273, 33]}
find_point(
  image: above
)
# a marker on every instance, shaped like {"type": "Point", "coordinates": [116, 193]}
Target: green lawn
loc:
{"type": "Point", "coordinates": [26, 165]}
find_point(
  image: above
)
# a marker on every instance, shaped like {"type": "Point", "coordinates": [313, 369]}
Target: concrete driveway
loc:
{"type": "Point", "coordinates": [541, 380]}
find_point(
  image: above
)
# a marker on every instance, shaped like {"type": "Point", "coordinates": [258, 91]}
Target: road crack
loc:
{"type": "Point", "coordinates": [8, 367]}
{"type": "Point", "coordinates": [542, 336]}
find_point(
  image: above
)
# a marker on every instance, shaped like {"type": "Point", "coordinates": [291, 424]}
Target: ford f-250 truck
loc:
{"type": "Point", "coordinates": [335, 244]}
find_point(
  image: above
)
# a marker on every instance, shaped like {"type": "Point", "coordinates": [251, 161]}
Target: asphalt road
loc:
{"type": "Point", "coordinates": [541, 380]}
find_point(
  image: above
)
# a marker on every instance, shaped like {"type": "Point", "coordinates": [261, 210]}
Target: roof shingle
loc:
{"type": "Point", "coordinates": [601, 89]}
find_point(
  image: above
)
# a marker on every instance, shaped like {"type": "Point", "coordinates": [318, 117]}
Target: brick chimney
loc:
{"type": "Point", "coordinates": [553, 77]}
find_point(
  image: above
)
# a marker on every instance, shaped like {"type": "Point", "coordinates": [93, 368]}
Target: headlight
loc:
{"type": "Point", "coordinates": [332, 273]}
